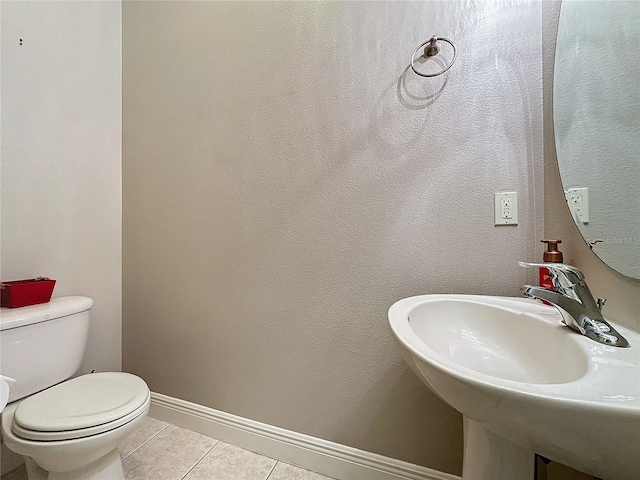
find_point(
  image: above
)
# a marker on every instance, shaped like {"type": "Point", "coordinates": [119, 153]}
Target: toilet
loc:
{"type": "Point", "coordinates": [67, 429]}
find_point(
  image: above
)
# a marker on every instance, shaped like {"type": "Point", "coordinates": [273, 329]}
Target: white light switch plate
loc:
{"type": "Point", "coordinates": [505, 208]}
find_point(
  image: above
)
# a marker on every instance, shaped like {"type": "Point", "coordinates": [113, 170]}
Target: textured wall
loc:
{"type": "Point", "coordinates": [622, 293]}
{"type": "Point", "coordinates": [286, 180]}
{"type": "Point", "coordinates": [61, 157]}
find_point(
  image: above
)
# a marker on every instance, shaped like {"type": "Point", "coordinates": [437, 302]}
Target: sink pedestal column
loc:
{"type": "Point", "coordinates": [488, 456]}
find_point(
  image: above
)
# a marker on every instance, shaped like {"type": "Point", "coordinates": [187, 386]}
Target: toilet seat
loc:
{"type": "Point", "coordinates": [87, 405]}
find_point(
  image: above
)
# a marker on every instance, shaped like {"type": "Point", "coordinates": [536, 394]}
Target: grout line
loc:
{"type": "Point", "coordinates": [201, 458]}
{"type": "Point", "coordinates": [147, 441]}
{"type": "Point", "coordinates": [274, 467]}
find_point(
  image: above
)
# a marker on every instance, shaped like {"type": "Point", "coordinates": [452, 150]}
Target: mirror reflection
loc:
{"type": "Point", "coordinates": [597, 125]}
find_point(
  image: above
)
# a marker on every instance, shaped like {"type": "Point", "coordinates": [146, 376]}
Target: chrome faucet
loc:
{"type": "Point", "coordinates": [580, 311]}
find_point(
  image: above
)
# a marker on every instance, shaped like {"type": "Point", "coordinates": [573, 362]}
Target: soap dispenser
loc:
{"type": "Point", "coordinates": [551, 255]}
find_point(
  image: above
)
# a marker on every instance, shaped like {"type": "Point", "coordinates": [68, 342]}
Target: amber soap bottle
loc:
{"type": "Point", "coordinates": [551, 255]}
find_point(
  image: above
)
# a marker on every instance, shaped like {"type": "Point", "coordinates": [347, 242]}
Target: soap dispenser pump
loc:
{"type": "Point", "coordinates": [551, 255]}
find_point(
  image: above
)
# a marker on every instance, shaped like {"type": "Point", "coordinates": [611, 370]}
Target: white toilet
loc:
{"type": "Point", "coordinates": [69, 430]}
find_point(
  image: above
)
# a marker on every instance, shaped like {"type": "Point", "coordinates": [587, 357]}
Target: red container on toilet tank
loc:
{"type": "Point", "coordinates": [21, 293]}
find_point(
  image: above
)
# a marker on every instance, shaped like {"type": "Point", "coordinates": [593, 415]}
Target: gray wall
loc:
{"type": "Point", "coordinates": [286, 180]}
{"type": "Point", "coordinates": [61, 157]}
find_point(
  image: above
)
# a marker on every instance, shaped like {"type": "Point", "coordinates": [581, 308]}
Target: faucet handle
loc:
{"type": "Point", "coordinates": [565, 278]}
{"type": "Point", "coordinates": [563, 268]}
{"type": "Point", "coordinates": [530, 264]}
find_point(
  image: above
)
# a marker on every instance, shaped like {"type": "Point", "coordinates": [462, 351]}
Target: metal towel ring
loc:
{"type": "Point", "coordinates": [432, 48]}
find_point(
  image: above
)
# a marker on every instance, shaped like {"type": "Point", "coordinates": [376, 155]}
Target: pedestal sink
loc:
{"type": "Point", "coordinates": [525, 384]}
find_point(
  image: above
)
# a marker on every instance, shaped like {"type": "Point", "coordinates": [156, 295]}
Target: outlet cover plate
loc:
{"type": "Point", "coordinates": [505, 208]}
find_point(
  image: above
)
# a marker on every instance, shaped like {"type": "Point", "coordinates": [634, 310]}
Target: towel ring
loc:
{"type": "Point", "coordinates": [431, 49]}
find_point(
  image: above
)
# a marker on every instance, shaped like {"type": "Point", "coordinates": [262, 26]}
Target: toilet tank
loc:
{"type": "Point", "coordinates": [42, 345]}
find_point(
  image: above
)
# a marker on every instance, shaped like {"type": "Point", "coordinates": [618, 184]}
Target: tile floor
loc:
{"type": "Point", "coordinates": [161, 451]}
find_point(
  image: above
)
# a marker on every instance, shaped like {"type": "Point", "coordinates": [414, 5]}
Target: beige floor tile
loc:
{"type": "Point", "coordinates": [284, 471]}
{"type": "Point", "coordinates": [150, 427]}
{"type": "Point", "coordinates": [228, 462]}
{"type": "Point", "coordinates": [167, 456]}
{"type": "Point", "coordinates": [16, 474]}
{"type": "Point", "coordinates": [21, 477]}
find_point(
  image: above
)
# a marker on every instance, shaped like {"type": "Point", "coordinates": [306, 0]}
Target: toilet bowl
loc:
{"type": "Point", "coordinates": [71, 430]}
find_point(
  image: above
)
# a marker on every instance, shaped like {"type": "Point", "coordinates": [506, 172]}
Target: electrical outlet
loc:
{"type": "Point", "coordinates": [505, 208]}
{"type": "Point", "coordinates": [578, 200]}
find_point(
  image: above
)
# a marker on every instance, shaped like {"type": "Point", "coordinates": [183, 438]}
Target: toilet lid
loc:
{"type": "Point", "coordinates": [83, 403]}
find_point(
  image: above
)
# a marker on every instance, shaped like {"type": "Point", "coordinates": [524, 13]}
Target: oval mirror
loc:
{"type": "Point", "coordinates": [596, 113]}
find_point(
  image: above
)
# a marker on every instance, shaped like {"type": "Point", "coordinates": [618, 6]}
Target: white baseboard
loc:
{"type": "Point", "coordinates": [321, 456]}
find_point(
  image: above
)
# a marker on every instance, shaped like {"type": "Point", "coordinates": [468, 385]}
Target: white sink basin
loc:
{"type": "Point", "coordinates": [518, 374]}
